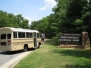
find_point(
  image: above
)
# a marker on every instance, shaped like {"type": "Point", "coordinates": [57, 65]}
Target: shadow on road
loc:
{"type": "Point", "coordinates": [14, 52]}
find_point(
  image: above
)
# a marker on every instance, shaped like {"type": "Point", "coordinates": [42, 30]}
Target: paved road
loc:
{"type": "Point", "coordinates": [7, 56]}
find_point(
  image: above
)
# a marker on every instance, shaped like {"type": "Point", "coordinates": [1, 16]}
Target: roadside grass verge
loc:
{"type": "Point", "coordinates": [49, 56]}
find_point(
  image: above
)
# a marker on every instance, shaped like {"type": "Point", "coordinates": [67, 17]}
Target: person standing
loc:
{"type": "Point", "coordinates": [43, 38]}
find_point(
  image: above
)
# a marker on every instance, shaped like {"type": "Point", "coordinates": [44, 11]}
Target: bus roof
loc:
{"type": "Point", "coordinates": [20, 29]}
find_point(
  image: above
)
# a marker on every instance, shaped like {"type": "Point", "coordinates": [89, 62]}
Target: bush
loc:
{"type": "Point", "coordinates": [56, 39]}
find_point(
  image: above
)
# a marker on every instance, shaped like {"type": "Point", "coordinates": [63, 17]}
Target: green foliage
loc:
{"type": "Point", "coordinates": [55, 39]}
{"type": "Point", "coordinates": [11, 20]}
{"type": "Point", "coordinates": [78, 22]}
{"type": "Point", "coordinates": [71, 16]}
{"type": "Point", "coordinates": [46, 25]}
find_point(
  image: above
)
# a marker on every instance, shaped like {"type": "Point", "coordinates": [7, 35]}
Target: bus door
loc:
{"type": "Point", "coordinates": [35, 40]}
{"type": "Point", "coordinates": [5, 39]}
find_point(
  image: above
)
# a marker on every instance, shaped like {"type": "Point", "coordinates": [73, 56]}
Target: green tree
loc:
{"type": "Point", "coordinates": [11, 20]}
{"type": "Point", "coordinates": [3, 19]}
{"type": "Point", "coordinates": [70, 16]}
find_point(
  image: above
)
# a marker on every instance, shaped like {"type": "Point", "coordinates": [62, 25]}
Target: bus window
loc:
{"type": "Point", "coordinates": [8, 36]}
{"type": "Point", "coordinates": [28, 35]}
{"type": "Point", "coordinates": [21, 34]}
{"type": "Point", "coordinates": [3, 36]}
{"type": "Point", "coordinates": [31, 35]}
{"type": "Point", "coordinates": [15, 34]}
{"type": "Point", "coordinates": [38, 35]}
{"type": "Point", "coordinates": [34, 35]}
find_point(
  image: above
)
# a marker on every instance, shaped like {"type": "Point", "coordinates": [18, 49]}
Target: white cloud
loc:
{"type": "Point", "coordinates": [30, 20]}
{"type": "Point", "coordinates": [15, 14]}
{"type": "Point", "coordinates": [48, 4]}
{"type": "Point", "coordinates": [43, 8]}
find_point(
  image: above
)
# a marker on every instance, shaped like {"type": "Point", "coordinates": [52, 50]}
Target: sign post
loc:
{"type": "Point", "coordinates": [85, 40]}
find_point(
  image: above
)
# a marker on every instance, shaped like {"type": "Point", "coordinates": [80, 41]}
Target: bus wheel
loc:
{"type": "Point", "coordinates": [25, 48]}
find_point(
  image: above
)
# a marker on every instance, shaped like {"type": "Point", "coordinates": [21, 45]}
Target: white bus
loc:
{"type": "Point", "coordinates": [12, 39]}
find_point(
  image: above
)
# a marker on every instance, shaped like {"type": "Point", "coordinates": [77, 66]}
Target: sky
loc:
{"type": "Point", "coordinates": [32, 10]}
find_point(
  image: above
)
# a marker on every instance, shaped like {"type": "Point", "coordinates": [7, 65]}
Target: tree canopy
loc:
{"type": "Point", "coordinates": [69, 16]}
{"type": "Point", "coordinates": [11, 20]}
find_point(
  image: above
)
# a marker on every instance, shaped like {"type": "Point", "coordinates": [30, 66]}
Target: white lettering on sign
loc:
{"type": "Point", "coordinates": [70, 38]}
{"type": "Point", "coordinates": [75, 39]}
{"type": "Point", "coordinates": [65, 39]}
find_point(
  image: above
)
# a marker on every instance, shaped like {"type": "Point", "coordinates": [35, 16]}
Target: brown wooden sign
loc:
{"type": "Point", "coordinates": [68, 38]}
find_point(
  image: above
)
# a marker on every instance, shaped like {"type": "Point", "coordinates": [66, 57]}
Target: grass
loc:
{"type": "Point", "coordinates": [49, 56]}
